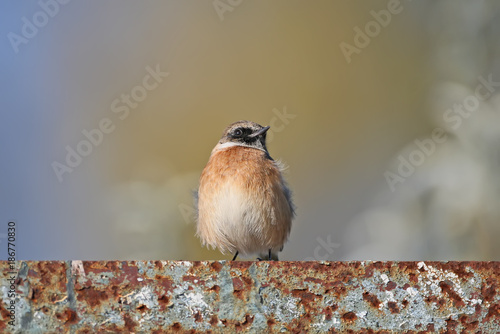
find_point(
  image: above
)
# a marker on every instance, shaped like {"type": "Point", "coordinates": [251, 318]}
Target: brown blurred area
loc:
{"type": "Point", "coordinates": [338, 123]}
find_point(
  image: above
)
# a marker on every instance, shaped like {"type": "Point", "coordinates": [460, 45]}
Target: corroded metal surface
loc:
{"type": "Point", "coordinates": [255, 297]}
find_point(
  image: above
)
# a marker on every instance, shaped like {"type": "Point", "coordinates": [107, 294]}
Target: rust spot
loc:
{"type": "Point", "coordinates": [391, 286]}
{"type": "Point", "coordinates": [337, 291]}
{"type": "Point", "coordinates": [142, 308]}
{"type": "Point", "coordinates": [246, 323]}
{"type": "Point", "coordinates": [164, 300]}
{"type": "Point", "coordinates": [195, 280]}
{"type": "Point", "coordinates": [176, 326]}
{"type": "Point", "coordinates": [130, 324]}
{"type": "Point", "coordinates": [238, 284]}
{"type": "Point", "coordinates": [380, 265]}
{"type": "Point", "coordinates": [213, 320]}
{"type": "Point", "coordinates": [270, 322]}
{"type": "Point", "coordinates": [217, 266]}
{"type": "Point", "coordinates": [440, 302]}
{"type": "Point", "coordinates": [241, 265]}
{"type": "Point", "coordinates": [346, 276]}
{"type": "Point", "coordinates": [239, 294]}
{"type": "Point", "coordinates": [489, 290]}
{"type": "Point", "coordinates": [4, 312]}
{"type": "Point", "coordinates": [128, 271]}
{"type": "Point", "coordinates": [237, 325]}
{"type": "Point", "coordinates": [313, 280]}
{"type": "Point", "coordinates": [33, 273]}
{"type": "Point", "coordinates": [166, 283]}
{"type": "Point", "coordinates": [493, 311]}
{"type": "Point", "coordinates": [447, 287]}
{"type": "Point", "coordinates": [101, 266]}
{"type": "Point", "coordinates": [468, 325]}
{"type": "Point", "coordinates": [459, 268]}
{"type": "Point", "coordinates": [92, 296]}
{"type": "Point", "coordinates": [68, 317]}
{"type": "Point", "coordinates": [451, 325]}
{"type": "Point", "coordinates": [248, 320]}
{"type": "Point", "coordinates": [349, 317]}
{"type": "Point", "coordinates": [248, 281]}
{"type": "Point", "coordinates": [305, 296]}
{"type": "Point", "coordinates": [406, 266]}
{"type": "Point", "coordinates": [52, 270]}
{"type": "Point", "coordinates": [413, 278]}
{"type": "Point", "coordinates": [215, 288]}
{"type": "Point", "coordinates": [328, 313]}
{"type": "Point", "coordinates": [196, 264]}
{"type": "Point", "coordinates": [368, 272]}
{"type": "Point", "coordinates": [393, 307]}
{"type": "Point", "coordinates": [371, 299]}
{"type": "Point", "coordinates": [477, 310]}
{"type": "Point", "coordinates": [110, 265]}
{"type": "Point", "coordinates": [198, 317]}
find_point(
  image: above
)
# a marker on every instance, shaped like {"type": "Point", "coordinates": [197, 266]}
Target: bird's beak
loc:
{"type": "Point", "coordinates": [260, 132]}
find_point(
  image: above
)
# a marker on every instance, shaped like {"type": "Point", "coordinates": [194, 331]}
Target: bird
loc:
{"type": "Point", "coordinates": [244, 204]}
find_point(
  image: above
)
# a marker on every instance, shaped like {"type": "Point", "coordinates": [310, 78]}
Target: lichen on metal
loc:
{"type": "Point", "coordinates": [254, 297]}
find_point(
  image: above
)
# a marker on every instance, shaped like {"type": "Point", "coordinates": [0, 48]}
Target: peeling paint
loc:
{"type": "Point", "coordinates": [255, 297]}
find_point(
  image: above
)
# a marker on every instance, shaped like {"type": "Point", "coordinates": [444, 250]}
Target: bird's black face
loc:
{"type": "Point", "coordinates": [246, 133]}
{"type": "Point", "coordinates": [240, 133]}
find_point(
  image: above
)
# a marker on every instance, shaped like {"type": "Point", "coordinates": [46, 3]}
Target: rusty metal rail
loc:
{"type": "Point", "coordinates": [251, 297]}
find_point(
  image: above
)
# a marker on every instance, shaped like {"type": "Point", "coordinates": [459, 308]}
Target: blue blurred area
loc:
{"type": "Point", "coordinates": [28, 118]}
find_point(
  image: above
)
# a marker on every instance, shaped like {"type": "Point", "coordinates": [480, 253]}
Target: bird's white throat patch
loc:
{"type": "Point", "coordinates": [229, 144]}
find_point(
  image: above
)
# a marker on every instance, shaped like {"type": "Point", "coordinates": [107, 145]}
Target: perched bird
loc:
{"type": "Point", "coordinates": [244, 204]}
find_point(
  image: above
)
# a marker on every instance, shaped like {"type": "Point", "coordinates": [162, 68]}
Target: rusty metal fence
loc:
{"type": "Point", "coordinates": [250, 297]}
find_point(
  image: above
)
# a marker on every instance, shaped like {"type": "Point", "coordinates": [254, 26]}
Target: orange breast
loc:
{"type": "Point", "coordinates": [242, 202]}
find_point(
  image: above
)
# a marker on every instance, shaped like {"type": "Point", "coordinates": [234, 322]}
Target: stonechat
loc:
{"type": "Point", "coordinates": [244, 205]}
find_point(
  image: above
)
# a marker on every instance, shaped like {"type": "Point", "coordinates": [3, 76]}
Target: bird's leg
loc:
{"type": "Point", "coordinates": [262, 257]}
{"type": "Point", "coordinates": [235, 256]}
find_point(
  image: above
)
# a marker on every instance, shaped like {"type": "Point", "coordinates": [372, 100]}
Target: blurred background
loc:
{"type": "Point", "coordinates": [387, 114]}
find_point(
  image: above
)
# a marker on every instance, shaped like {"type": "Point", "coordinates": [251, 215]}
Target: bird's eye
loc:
{"type": "Point", "coordinates": [238, 132]}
